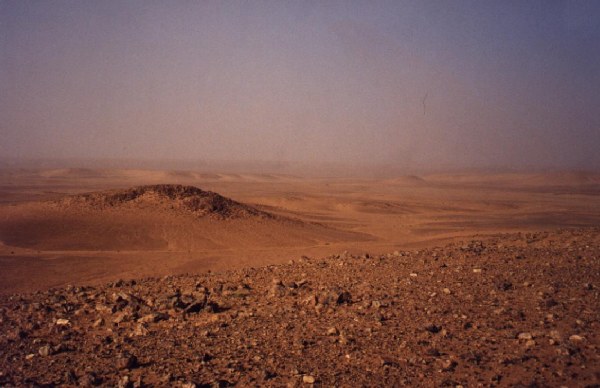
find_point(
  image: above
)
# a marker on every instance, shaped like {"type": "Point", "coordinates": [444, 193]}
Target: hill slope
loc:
{"type": "Point", "coordinates": [510, 310]}
{"type": "Point", "coordinates": [189, 199]}
{"type": "Point", "coordinates": [156, 217]}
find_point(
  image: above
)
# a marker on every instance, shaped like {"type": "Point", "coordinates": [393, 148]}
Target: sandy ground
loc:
{"type": "Point", "coordinates": [355, 215]}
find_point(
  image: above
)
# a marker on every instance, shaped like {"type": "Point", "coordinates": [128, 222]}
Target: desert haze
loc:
{"type": "Point", "coordinates": [300, 193]}
{"type": "Point", "coordinates": [272, 279]}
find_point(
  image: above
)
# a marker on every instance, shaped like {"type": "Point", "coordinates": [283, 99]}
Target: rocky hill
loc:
{"type": "Point", "coordinates": [187, 198]}
{"type": "Point", "coordinates": [507, 310]}
{"type": "Point", "coordinates": [156, 217]}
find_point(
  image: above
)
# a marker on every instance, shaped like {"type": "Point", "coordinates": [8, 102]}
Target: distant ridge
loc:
{"type": "Point", "coordinates": [407, 180]}
{"type": "Point", "coordinates": [188, 198]}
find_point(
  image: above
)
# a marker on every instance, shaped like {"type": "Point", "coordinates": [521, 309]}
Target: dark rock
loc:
{"type": "Point", "coordinates": [344, 297]}
{"type": "Point", "coordinates": [433, 328]}
{"type": "Point", "coordinates": [126, 361]}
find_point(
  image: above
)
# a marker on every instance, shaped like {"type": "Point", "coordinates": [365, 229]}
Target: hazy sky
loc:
{"type": "Point", "coordinates": [409, 83]}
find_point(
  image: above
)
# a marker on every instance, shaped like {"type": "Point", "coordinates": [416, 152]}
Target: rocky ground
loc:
{"type": "Point", "coordinates": [514, 309]}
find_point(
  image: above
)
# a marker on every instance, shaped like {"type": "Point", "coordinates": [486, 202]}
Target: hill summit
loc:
{"type": "Point", "coordinates": [180, 197]}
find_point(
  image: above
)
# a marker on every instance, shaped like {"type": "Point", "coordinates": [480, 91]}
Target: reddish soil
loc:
{"type": "Point", "coordinates": [520, 309]}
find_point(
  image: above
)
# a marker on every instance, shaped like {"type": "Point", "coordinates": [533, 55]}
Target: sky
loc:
{"type": "Point", "coordinates": [412, 84]}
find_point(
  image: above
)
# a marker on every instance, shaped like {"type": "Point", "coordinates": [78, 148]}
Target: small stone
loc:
{"type": "Point", "coordinates": [413, 275]}
{"type": "Point", "coordinates": [195, 307]}
{"type": "Point", "coordinates": [447, 291]}
{"type": "Point", "coordinates": [104, 308]}
{"type": "Point", "coordinates": [344, 297]}
{"type": "Point", "coordinates": [62, 322]}
{"type": "Point", "coordinates": [448, 365]}
{"type": "Point", "coordinates": [575, 338]}
{"type": "Point", "coordinates": [153, 318]}
{"type": "Point", "coordinates": [433, 328]}
{"type": "Point", "coordinates": [476, 270]}
{"type": "Point", "coordinates": [277, 289]}
{"type": "Point", "coordinates": [312, 300]}
{"type": "Point", "coordinates": [58, 349]}
{"type": "Point", "coordinates": [555, 335]}
{"type": "Point", "coordinates": [121, 317]}
{"type": "Point", "coordinates": [90, 379]}
{"type": "Point", "coordinates": [124, 382]}
{"type": "Point", "coordinates": [530, 343]}
{"type": "Point", "coordinates": [70, 377]}
{"type": "Point", "coordinates": [333, 331]}
{"type": "Point", "coordinates": [525, 336]}
{"type": "Point", "coordinates": [344, 339]}
{"type": "Point", "coordinates": [99, 322]}
{"type": "Point", "coordinates": [140, 330]}
{"type": "Point", "coordinates": [126, 361]}
{"type": "Point", "coordinates": [307, 379]}
{"type": "Point", "coordinates": [45, 350]}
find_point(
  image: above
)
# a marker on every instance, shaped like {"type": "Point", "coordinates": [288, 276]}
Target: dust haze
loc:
{"type": "Point", "coordinates": [274, 193]}
{"type": "Point", "coordinates": [413, 85]}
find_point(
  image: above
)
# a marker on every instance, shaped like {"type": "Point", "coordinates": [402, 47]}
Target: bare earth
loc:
{"type": "Point", "coordinates": [50, 246]}
{"type": "Point", "coordinates": [510, 310]}
{"type": "Point", "coordinates": [469, 279]}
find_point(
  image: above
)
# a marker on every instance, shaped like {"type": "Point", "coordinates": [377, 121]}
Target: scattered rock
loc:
{"type": "Point", "coordinates": [140, 330]}
{"type": "Point", "coordinates": [433, 328]}
{"type": "Point", "coordinates": [344, 297]}
{"type": "Point", "coordinates": [307, 379]}
{"type": "Point", "coordinates": [575, 338]}
{"type": "Point", "coordinates": [126, 361]}
{"type": "Point", "coordinates": [366, 317]}
{"type": "Point", "coordinates": [525, 336]}
{"type": "Point", "coordinates": [45, 351]}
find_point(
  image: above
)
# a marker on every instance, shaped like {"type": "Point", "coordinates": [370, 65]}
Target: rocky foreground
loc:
{"type": "Point", "coordinates": [516, 309]}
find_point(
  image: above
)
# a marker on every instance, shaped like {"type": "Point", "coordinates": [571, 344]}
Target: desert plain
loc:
{"type": "Point", "coordinates": [46, 244]}
{"type": "Point", "coordinates": [186, 278]}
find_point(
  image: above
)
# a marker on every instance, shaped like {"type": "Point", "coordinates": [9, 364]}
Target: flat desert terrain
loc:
{"type": "Point", "coordinates": [48, 240]}
{"type": "Point", "coordinates": [137, 278]}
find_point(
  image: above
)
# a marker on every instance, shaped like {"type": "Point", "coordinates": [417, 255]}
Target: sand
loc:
{"type": "Point", "coordinates": [45, 245]}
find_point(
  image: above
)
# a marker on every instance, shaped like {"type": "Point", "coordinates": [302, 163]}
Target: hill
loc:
{"type": "Point", "coordinates": [153, 217]}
